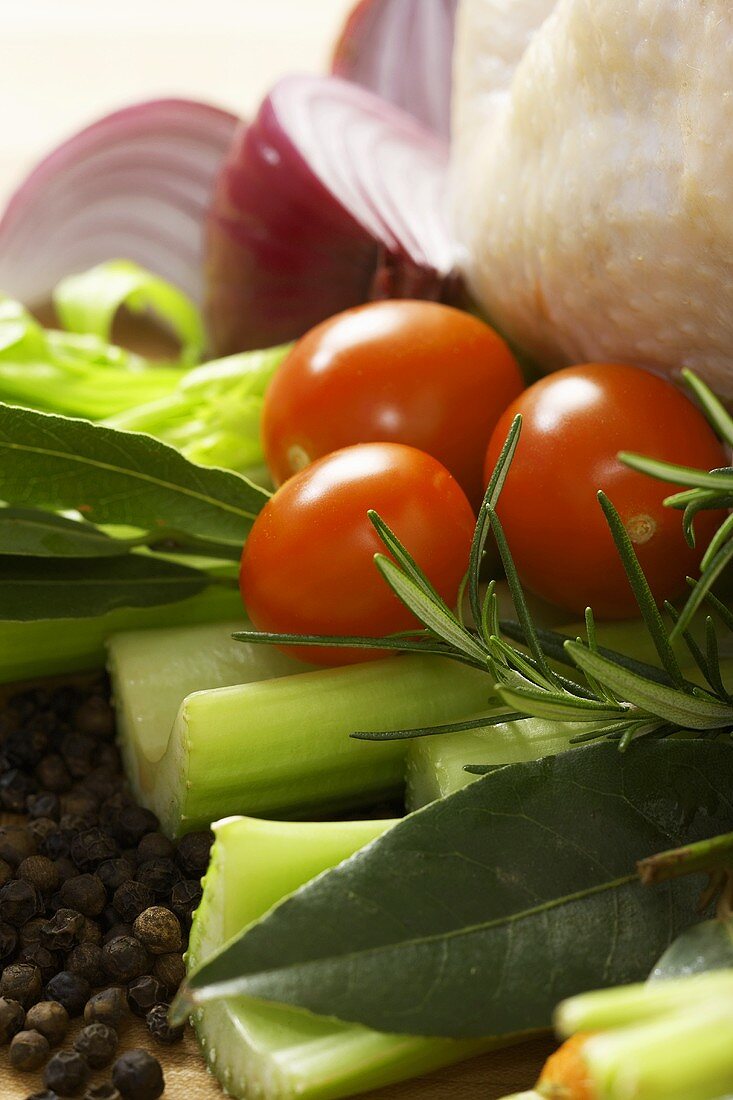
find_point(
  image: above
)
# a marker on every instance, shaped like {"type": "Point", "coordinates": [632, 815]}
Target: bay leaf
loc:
{"type": "Point", "coordinates": [116, 477]}
{"type": "Point", "coordinates": [36, 588]}
{"type": "Point", "coordinates": [476, 915]}
{"type": "Point", "coordinates": [33, 532]}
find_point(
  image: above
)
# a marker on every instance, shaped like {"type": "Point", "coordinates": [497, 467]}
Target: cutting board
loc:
{"type": "Point", "coordinates": [485, 1078]}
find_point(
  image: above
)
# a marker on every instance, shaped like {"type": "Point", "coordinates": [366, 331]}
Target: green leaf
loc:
{"type": "Point", "coordinates": [434, 615]}
{"type": "Point", "coordinates": [557, 706]}
{"type": "Point", "coordinates": [483, 526]}
{"type": "Point", "coordinates": [477, 914]}
{"type": "Point", "coordinates": [481, 723]}
{"type": "Point", "coordinates": [404, 558]}
{"type": "Point", "coordinates": [119, 478]}
{"type": "Point", "coordinates": [34, 588]}
{"type": "Point", "coordinates": [715, 569]}
{"type": "Point", "coordinates": [33, 532]}
{"type": "Point", "coordinates": [720, 480]}
{"type": "Point", "coordinates": [716, 413]}
{"type": "Point", "coordinates": [642, 591]}
{"type": "Point", "coordinates": [88, 303]}
{"type": "Point", "coordinates": [698, 711]}
{"type": "Point", "coordinates": [717, 542]}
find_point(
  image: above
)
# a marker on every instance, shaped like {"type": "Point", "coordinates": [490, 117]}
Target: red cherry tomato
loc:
{"type": "Point", "coordinates": [574, 424]}
{"type": "Point", "coordinates": [418, 373]}
{"type": "Point", "coordinates": [308, 563]}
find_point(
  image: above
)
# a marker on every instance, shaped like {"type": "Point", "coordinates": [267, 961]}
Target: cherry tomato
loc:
{"type": "Point", "coordinates": [308, 563]}
{"type": "Point", "coordinates": [418, 373]}
{"type": "Point", "coordinates": [574, 424]}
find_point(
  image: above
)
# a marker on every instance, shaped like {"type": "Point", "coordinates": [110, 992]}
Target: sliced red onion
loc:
{"type": "Point", "coordinates": [402, 49]}
{"type": "Point", "coordinates": [136, 184]}
{"type": "Point", "coordinates": [330, 198]}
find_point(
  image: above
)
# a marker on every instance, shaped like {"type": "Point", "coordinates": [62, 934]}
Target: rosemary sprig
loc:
{"type": "Point", "coordinates": [708, 489]}
{"type": "Point", "coordinates": [617, 697]}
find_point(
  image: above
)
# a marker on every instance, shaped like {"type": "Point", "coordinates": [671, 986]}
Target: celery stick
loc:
{"type": "Point", "coordinates": [267, 740]}
{"type": "Point", "coordinates": [267, 1050]}
{"type": "Point", "coordinates": [52, 647]}
{"type": "Point", "coordinates": [435, 765]}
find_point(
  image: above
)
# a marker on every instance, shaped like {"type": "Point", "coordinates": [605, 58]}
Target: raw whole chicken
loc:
{"type": "Point", "coordinates": [592, 178]}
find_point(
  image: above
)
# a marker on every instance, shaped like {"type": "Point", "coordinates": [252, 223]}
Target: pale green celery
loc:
{"type": "Point", "coordinates": [666, 1040]}
{"type": "Point", "coordinates": [213, 414]}
{"type": "Point", "coordinates": [263, 746]}
{"type": "Point", "coordinates": [436, 765]}
{"type": "Point", "coordinates": [53, 647]}
{"type": "Point", "coordinates": [266, 1050]}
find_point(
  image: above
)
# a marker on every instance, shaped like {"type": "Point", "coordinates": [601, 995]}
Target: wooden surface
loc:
{"type": "Point", "coordinates": [186, 1077]}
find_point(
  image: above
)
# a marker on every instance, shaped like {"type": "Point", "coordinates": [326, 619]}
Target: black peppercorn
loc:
{"type": "Point", "coordinates": [105, 1091]}
{"type": "Point", "coordinates": [61, 932]}
{"type": "Point", "coordinates": [95, 716]}
{"type": "Point", "coordinates": [29, 1050]}
{"type": "Point", "coordinates": [21, 982]}
{"type": "Point", "coordinates": [90, 848]}
{"type": "Point", "coordinates": [79, 802]}
{"type": "Point", "coordinates": [170, 970]}
{"type": "Point", "coordinates": [107, 756]}
{"type": "Point", "coordinates": [185, 898]}
{"type": "Point", "coordinates": [137, 1074]}
{"type": "Point", "coordinates": [66, 869]}
{"type": "Point", "coordinates": [55, 845]}
{"type": "Point", "coordinates": [159, 930]}
{"type": "Point", "coordinates": [160, 875]}
{"type": "Point", "coordinates": [52, 774]}
{"type": "Point", "coordinates": [132, 823]}
{"type": "Point", "coordinates": [40, 872]}
{"type": "Point", "coordinates": [70, 990]}
{"type": "Point", "coordinates": [19, 902]}
{"type": "Point", "coordinates": [15, 844]}
{"type": "Point", "coordinates": [15, 787]}
{"type": "Point", "coordinates": [192, 853]}
{"type": "Point", "coordinates": [35, 954]}
{"type": "Point", "coordinates": [113, 872]}
{"type": "Point", "coordinates": [31, 931]}
{"type": "Point", "coordinates": [50, 1019]}
{"type": "Point", "coordinates": [154, 846]}
{"type": "Point", "coordinates": [125, 958]}
{"type": "Point", "coordinates": [160, 1029]}
{"type": "Point", "coordinates": [119, 928]}
{"type": "Point", "coordinates": [41, 827]}
{"type": "Point", "coordinates": [131, 898]}
{"type": "Point", "coordinates": [12, 1018]}
{"type": "Point", "coordinates": [85, 893]}
{"type": "Point", "coordinates": [104, 780]}
{"type": "Point", "coordinates": [106, 1007]}
{"type": "Point", "coordinates": [97, 1043]}
{"type": "Point", "coordinates": [24, 748]}
{"type": "Point", "coordinates": [66, 1072]}
{"type": "Point", "coordinates": [73, 825]}
{"type": "Point", "coordinates": [6, 872]}
{"type": "Point", "coordinates": [144, 993]}
{"type": "Point", "coordinates": [44, 805]}
{"type": "Point", "coordinates": [77, 750]}
{"type": "Point", "coordinates": [86, 960]}
{"type": "Point", "coordinates": [91, 932]}
{"type": "Point", "coordinates": [8, 941]}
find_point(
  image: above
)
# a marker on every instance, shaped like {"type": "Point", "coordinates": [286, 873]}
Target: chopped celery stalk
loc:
{"type": "Point", "coordinates": [436, 765]}
{"type": "Point", "coordinates": [270, 743]}
{"type": "Point", "coordinates": [670, 1040]}
{"type": "Point", "coordinates": [53, 647]}
{"type": "Point", "coordinates": [267, 1050]}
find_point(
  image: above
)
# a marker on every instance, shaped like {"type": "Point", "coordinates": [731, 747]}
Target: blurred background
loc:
{"type": "Point", "coordinates": [65, 62]}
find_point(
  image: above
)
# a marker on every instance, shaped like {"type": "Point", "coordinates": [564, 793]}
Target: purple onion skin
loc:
{"type": "Point", "coordinates": [255, 276]}
{"type": "Point", "coordinates": [403, 51]}
{"type": "Point", "coordinates": [283, 250]}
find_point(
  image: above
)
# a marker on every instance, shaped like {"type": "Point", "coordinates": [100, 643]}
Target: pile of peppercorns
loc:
{"type": "Point", "coordinates": [92, 898]}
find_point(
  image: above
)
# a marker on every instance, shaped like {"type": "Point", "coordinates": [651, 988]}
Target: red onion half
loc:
{"type": "Point", "coordinates": [136, 184]}
{"type": "Point", "coordinates": [402, 49]}
{"type": "Point", "coordinates": [330, 198]}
